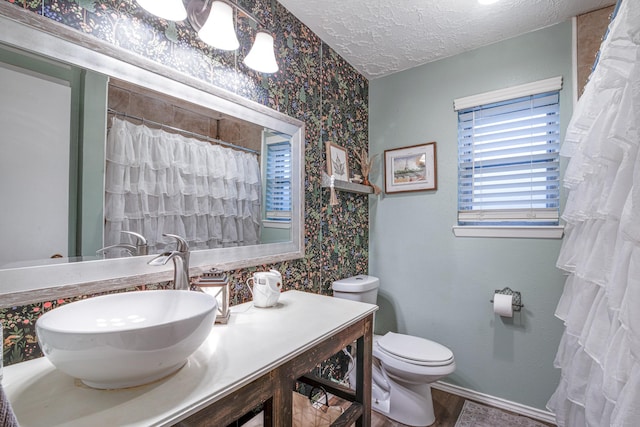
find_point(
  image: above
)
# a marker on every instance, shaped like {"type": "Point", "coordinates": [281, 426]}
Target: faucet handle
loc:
{"type": "Point", "coordinates": [183, 246]}
{"type": "Point", "coordinates": [141, 243]}
{"type": "Point", "coordinates": [140, 239]}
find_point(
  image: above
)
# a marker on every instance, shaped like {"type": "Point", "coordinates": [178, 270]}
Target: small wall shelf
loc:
{"type": "Point", "coordinates": [345, 185]}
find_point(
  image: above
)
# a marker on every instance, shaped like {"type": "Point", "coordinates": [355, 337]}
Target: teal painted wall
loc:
{"type": "Point", "coordinates": [438, 286]}
{"type": "Point", "coordinates": [92, 162]}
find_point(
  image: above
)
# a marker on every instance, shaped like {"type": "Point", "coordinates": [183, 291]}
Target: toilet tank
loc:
{"type": "Point", "coordinates": [357, 288]}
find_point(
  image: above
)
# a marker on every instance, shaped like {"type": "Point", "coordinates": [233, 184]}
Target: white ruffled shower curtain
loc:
{"type": "Point", "coordinates": [599, 354]}
{"type": "Point", "coordinates": [159, 182]}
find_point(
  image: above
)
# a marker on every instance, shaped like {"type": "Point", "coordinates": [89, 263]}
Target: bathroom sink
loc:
{"type": "Point", "coordinates": [127, 339]}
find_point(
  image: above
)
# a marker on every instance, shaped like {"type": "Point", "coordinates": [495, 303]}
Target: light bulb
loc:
{"type": "Point", "coordinates": [262, 56]}
{"type": "Point", "coordinates": [172, 10]}
{"type": "Point", "coordinates": [218, 31]}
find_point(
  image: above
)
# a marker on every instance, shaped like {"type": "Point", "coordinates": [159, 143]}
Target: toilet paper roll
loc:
{"type": "Point", "coordinates": [503, 305]}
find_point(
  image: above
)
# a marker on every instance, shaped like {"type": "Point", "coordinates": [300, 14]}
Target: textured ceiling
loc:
{"type": "Point", "coordinates": [383, 37]}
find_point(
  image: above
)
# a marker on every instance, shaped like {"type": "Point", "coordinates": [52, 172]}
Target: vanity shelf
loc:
{"type": "Point", "coordinates": [345, 185]}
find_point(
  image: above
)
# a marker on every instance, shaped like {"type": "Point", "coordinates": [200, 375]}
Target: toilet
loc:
{"type": "Point", "coordinates": [404, 366]}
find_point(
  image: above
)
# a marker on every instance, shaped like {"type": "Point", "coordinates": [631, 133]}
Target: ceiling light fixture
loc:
{"type": "Point", "coordinates": [214, 22]}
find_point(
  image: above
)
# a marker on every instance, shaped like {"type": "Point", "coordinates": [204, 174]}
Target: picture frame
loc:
{"type": "Point", "coordinates": [337, 161]}
{"type": "Point", "coordinates": [412, 168]}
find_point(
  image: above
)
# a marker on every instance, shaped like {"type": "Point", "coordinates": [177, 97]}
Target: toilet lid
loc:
{"type": "Point", "coordinates": [415, 349]}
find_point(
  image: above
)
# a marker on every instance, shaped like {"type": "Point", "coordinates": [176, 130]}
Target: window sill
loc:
{"type": "Point", "coordinates": [276, 224]}
{"type": "Point", "coordinates": [524, 232]}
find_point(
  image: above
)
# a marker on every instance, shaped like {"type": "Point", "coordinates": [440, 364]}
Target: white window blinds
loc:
{"type": "Point", "coordinates": [508, 161]}
{"type": "Point", "coordinates": [278, 181]}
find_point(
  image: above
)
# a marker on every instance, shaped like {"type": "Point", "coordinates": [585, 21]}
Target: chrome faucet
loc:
{"type": "Point", "coordinates": [140, 247]}
{"type": "Point", "coordinates": [180, 259]}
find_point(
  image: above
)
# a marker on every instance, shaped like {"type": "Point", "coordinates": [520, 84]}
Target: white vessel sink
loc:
{"type": "Point", "coordinates": [128, 339]}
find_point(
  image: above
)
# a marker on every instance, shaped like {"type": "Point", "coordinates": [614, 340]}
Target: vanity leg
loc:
{"type": "Point", "coordinates": [267, 413]}
{"type": "Point", "coordinates": [282, 400]}
{"type": "Point", "coordinates": [364, 360]}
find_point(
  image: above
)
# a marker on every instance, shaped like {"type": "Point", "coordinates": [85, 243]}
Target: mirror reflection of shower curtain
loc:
{"type": "Point", "coordinates": [599, 354]}
{"type": "Point", "coordinates": [159, 182]}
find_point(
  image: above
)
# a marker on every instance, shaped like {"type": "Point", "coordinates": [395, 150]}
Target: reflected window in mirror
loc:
{"type": "Point", "coordinates": [277, 175]}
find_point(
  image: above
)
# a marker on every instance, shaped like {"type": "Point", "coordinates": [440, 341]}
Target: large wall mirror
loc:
{"type": "Point", "coordinates": [68, 200]}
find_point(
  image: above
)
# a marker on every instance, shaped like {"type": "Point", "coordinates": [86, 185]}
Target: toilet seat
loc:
{"type": "Point", "coordinates": [414, 350]}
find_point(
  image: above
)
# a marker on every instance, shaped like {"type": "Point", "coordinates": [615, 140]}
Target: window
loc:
{"type": "Point", "coordinates": [277, 178]}
{"type": "Point", "coordinates": [508, 156]}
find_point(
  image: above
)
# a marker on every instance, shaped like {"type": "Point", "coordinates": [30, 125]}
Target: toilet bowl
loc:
{"type": "Point", "coordinates": [404, 366]}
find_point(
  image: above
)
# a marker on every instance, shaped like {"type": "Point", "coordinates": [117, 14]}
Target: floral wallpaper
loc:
{"type": "Point", "coordinates": [314, 84]}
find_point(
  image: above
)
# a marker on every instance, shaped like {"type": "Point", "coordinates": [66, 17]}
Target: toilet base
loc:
{"type": "Point", "coordinates": [380, 400]}
{"type": "Point", "coordinates": [410, 404]}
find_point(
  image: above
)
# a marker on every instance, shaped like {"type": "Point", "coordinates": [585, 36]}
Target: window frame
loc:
{"type": "Point", "coordinates": [273, 218]}
{"type": "Point", "coordinates": [499, 228]}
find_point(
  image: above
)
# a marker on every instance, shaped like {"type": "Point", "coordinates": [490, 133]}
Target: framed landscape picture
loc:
{"type": "Point", "coordinates": [410, 168]}
{"type": "Point", "coordinates": [337, 162]}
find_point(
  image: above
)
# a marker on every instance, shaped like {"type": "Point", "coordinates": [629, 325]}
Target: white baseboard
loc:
{"type": "Point", "coordinates": [528, 411]}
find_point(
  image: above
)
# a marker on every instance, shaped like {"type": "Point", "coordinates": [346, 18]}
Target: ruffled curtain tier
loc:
{"type": "Point", "coordinates": [158, 182]}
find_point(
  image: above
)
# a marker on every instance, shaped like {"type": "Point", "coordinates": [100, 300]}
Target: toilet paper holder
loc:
{"type": "Point", "coordinates": [517, 298]}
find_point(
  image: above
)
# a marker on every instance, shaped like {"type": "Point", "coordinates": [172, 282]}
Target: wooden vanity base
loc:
{"type": "Point", "coordinates": [274, 389]}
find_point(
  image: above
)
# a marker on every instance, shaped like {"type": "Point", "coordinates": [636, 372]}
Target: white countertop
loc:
{"type": "Point", "coordinates": [255, 341]}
